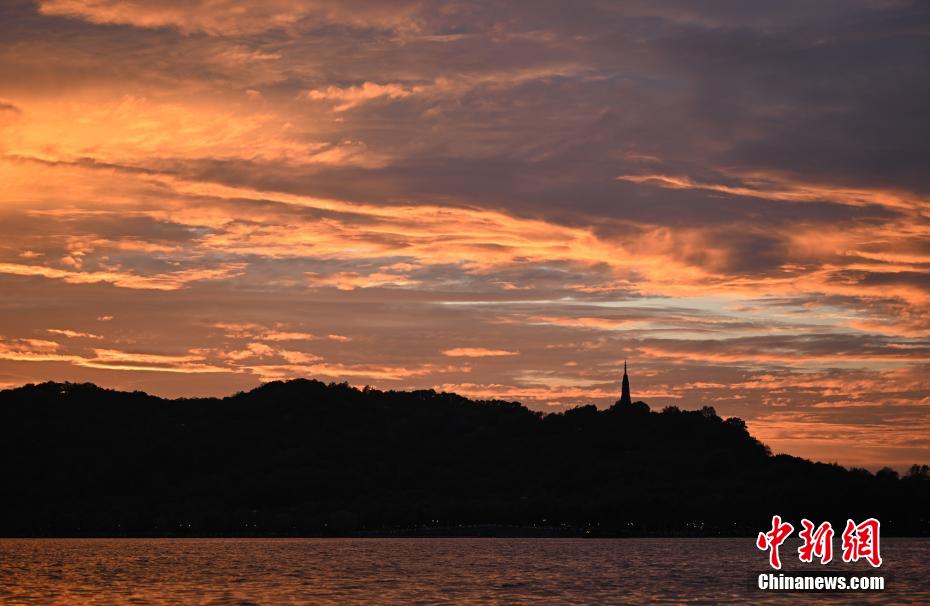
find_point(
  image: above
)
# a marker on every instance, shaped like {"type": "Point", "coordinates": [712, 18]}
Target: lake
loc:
{"type": "Point", "coordinates": [424, 571]}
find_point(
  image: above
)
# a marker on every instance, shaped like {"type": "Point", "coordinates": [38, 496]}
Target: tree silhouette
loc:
{"type": "Point", "coordinates": [306, 458]}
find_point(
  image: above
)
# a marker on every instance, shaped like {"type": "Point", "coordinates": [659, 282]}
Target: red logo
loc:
{"type": "Point", "coordinates": [772, 539]}
{"type": "Point", "coordinates": [860, 541]}
{"type": "Point", "coordinates": [816, 543]}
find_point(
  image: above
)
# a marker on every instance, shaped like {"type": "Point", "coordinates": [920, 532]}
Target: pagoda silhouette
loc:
{"type": "Point", "coordinates": [625, 399]}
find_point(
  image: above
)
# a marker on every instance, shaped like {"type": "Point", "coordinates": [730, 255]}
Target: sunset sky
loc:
{"type": "Point", "coordinates": [501, 199]}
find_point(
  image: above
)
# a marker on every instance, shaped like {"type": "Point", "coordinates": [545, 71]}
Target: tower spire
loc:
{"type": "Point", "coordinates": [625, 388]}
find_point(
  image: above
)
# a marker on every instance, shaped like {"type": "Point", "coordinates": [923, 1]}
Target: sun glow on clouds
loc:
{"type": "Point", "coordinates": [227, 17]}
{"type": "Point", "coordinates": [774, 188]}
{"type": "Point", "coordinates": [347, 98]}
{"type": "Point", "coordinates": [477, 352]}
{"type": "Point", "coordinates": [200, 196]}
{"type": "Point", "coordinates": [407, 247]}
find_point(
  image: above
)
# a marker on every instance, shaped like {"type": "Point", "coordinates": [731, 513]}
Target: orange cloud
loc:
{"type": "Point", "coordinates": [276, 335]}
{"type": "Point", "coordinates": [786, 358]}
{"type": "Point", "coordinates": [582, 322]}
{"type": "Point", "coordinates": [683, 262]}
{"type": "Point", "coordinates": [230, 17]}
{"type": "Point", "coordinates": [252, 330]}
{"type": "Point", "coordinates": [164, 281]}
{"type": "Point", "coordinates": [73, 334]}
{"type": "Point", "coordinates": [813, 437]}
{"type": "Point", "coordinates": [548, 394]}
{"type": "Point", "coordinates": [117, 356]}
{"type": "Point", "coordinates": [477, 352]}
{"type": "Point", "coordinates": [38, 350]}
{"type": "Point", "coordinates": [33, 350]}
{"type": "Point", "coordinates": [298, 357]}
{"type": "Point", "coordinates": [349, 97]}
{"type": "Point", "coordinates": [348, 280]}
{"type": "Point", "coordinates": [274, 372]}
{"type": "Point", "coordinates": [770, 187]}
{"type": "Point", "coordinates": [131, 130]}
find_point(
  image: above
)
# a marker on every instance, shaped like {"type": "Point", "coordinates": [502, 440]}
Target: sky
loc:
{"type": "Point", "coordinates": [504, 200]}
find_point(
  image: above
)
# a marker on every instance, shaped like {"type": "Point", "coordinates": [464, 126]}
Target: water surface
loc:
{"type": "Point", "coordinates": [422, 571]}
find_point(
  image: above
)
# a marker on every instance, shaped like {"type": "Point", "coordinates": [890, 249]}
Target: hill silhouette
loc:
{"type": "Point", "coordinates": [306, 458]}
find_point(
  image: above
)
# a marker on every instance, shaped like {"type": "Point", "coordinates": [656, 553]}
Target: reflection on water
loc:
{"type": "Point", "coordinates": [421, 571]}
